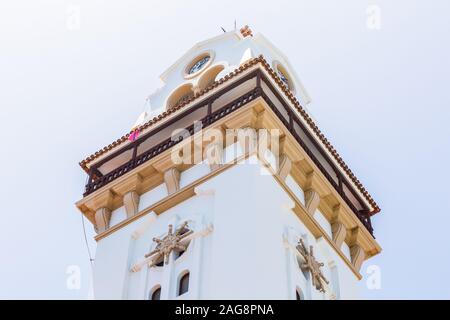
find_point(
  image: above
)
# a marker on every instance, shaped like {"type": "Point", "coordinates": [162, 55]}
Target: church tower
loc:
{"type": "Point", "coordinates": [226, 188]}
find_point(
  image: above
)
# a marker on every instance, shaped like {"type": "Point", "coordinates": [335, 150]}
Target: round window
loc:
{"type": "Point", "coordinates": [284, 76]}
{"type": "Point", "coordinates": [198, 64]}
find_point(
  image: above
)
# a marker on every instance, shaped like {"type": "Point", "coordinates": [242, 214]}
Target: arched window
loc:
{"type": "Point", "coordinates": [183, 285]}
{"type": "Point", "coordinates": [156, 294]}
{"type": "Point", "coordinates": [209, 77]}
{"type": "Point", "coordinates": [180, 95]}
{"type": "Point", "coordinates": [299, 295]}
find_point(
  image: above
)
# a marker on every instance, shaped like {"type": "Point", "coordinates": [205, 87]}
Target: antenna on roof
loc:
{"type": "Point", "coordinates": [225, 31]}
{"type": "Point", "coordinates": [234, 24]}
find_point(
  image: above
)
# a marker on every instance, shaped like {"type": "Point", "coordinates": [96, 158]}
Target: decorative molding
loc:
{"type": "Point", "coordinates": [315, 182]}
{"type": "Point", "coordinates": [170, 242]}
{"type": "Point", "coordinates": [288, 206]}
{"type": "Point", "coordinates": [273, 78]}
{"type": "Point", "coordinates": [207, 230]}
{"type": "Point", "coordinates": [151, 171]}
{"type": "Point", "coordinates": [150, 257]}
{"type": "Point", "coordinates": [131, 203]}
{"type": "Point", "coordinates": [284, 166]}
{"type": "Point", "coordinates": [213, 154]}
{"type": "Point", "coordinates": [293, 151]}
{"type": "Point", "coordinates": [248, 139]}
{"type": "Point", "coordinates": [312, 265]}
{"type": "Point", "coordinates": [357, 254]}
{"type": "Point", "coordinates": [101, 205]}
{"type": "Point", "coordinates": [101, 200]}
{"type": "Point", "coordinates": [172, 180]}
{"type": "Point", "coordinates": [339, 233]}
{"type": "Point", "coordinates": [199, 191]}
{"type": "Point", "coordinates": [131, 183]}
{"type": "Point", "coordinates": [312, 200]}
{"type": "Point", "coordinates": [102, 219]}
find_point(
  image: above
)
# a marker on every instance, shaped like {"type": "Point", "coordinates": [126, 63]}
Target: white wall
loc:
{"type": "Point", "coordinates": [244, 257]}
{"type": "Point", "coordinates": [228, 50]}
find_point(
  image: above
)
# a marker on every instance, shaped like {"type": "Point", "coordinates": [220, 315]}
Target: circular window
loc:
{"type": "Point", "coordinates": [198, 64]}
{"type": "Point", "coordinates": [284, 76]}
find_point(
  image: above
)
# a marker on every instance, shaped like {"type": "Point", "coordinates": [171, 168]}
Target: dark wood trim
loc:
{"type": "Point", "coordinates": [211, 117]}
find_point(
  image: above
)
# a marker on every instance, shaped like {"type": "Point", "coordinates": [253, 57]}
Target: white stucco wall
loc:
{"type": "Point", "coordinates": [246, 256]}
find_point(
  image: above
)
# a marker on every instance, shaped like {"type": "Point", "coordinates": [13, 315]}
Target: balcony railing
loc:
{"type": "Point", "coordinates": [213, 108]}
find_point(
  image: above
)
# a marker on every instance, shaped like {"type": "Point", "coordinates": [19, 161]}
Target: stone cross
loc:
{"type": "Point", "coordinates": [170, 242]}
{"type": "Point", "coordinates": [312, 265]}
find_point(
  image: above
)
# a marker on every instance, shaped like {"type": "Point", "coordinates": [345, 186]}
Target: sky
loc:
{"type": "Point", "coordinates": [74, 76]}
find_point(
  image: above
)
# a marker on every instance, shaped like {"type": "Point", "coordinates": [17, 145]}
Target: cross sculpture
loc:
{"type": "Point", "coordinates": [170, 242]}
{"type": "Point", "coordinates": [310, 264]}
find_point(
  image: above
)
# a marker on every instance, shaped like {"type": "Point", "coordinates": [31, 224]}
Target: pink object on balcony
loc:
{"type": "Point", "coordinates": [134, 135]}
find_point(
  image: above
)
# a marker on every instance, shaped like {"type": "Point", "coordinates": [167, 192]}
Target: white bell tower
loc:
{"type": "Point", "coordinates": [228, 190]}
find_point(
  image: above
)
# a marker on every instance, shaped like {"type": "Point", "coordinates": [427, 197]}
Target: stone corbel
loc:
{"type": "Point", "coordinates": [172, 180]}
{"type": "Point", "coordinates": [242, 119]}
{"type": "Point", "coordinates": [284, 166]}
{"type": "Point", "coordinates": [338, 228]}
{"type": "Point", "coordinates": [357, 252]}
{"type": "Point", "coordinates": [131, 203]}
{"type": "Point", "coordinates": [314, 182]}
{"type": "Point", "coordinates": [358, 255]}
{"type": "Point", "coordinates": [290, 149]}
{"type": "Point", "coordinates": [130, 190]}
{"type": "Point", "coordinates": [248, 139]}
{"type": "Point", "coordinates": [173, 158]}
{"type": "Point", "coordinates": [315, 190]}
{"type": "Point", "coordinates": [339, 233]}
{"type": "Point", "coordinates": [101, 204]}
{"type": "Point", "coordinates": [312, 200]}
{"type": "Point", "coordinates": [102, 219]}
{"type": "Point", "coordinates": [213, 154]}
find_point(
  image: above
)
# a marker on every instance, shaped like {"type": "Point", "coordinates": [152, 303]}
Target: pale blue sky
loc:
{"type": "Point", "coordinates": [381, 96]}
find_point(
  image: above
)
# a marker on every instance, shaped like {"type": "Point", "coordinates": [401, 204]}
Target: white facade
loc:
{"type": "Point", "coordinates": [246, 230]}
{"type": "Point", "coordinates": [246, 250]}
{"type": "Point", "coordinates": [228, 50]}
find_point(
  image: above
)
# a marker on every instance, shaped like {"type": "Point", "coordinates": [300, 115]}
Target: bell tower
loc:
{"type": "Point", "coordinates": [226, 188]}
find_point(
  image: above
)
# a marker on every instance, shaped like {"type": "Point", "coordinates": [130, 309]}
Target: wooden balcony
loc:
{"type": "Point", "coordinates": [214, 107]}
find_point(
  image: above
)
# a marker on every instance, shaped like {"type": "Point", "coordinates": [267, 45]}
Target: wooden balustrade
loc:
{"type": "Point", "coordinates": [287, 116]}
